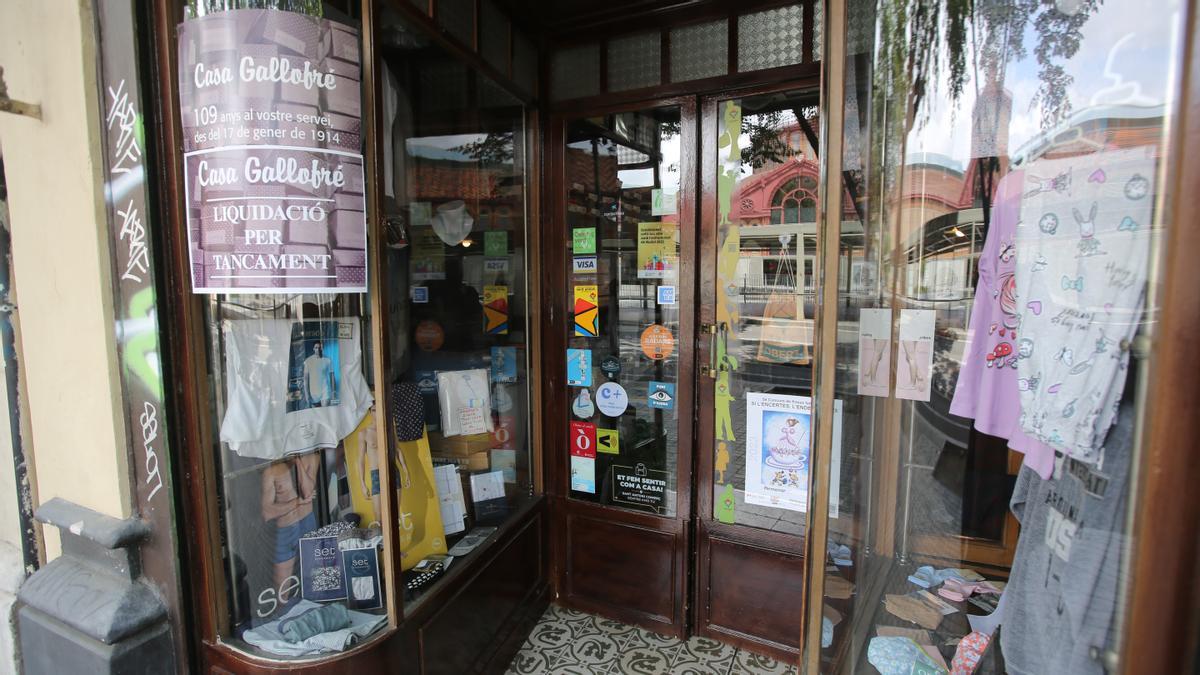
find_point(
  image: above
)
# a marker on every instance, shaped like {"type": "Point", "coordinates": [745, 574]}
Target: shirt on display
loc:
{"type": "Point", "coordinates": [465, 400]}
{"type": "Point", "coordinates": [987, 383]}
{"type": "Point", "coordinates": [1061, 597]}
{"type": "Point", "coordinates": [1083, 244]}
{"type": "Point", "coordinates": [294, 386]}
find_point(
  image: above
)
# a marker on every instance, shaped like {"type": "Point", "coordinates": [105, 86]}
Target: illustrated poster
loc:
{"type": "Point", "coordinates": [778, 443]}
{"type": "Point", "coordinates": [587, 311]}
{"type": "Point", "coordinates": [270, 104]}
{"type": "Point", "coordinates": [314, 365]}
{"type": "Point", "coordinates": [495, 310]}
{"type": "Point", "coordinates": [914, 358]}
{"type": "Point", "coordinates": [657, 253]}
{"type": "Point", "coordinates": [874, 352]}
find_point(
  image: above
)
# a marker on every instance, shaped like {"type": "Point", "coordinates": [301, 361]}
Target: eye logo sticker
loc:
{"type": "Point", "coordinates": [661, 395]}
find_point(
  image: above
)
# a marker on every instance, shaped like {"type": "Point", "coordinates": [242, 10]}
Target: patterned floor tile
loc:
{"type": "Point", "coordinates": [567, 642]}
{"type": "Point", "coordinates": [755, 664]}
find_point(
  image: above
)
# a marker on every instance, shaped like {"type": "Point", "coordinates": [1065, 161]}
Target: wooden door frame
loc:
{"type": "Point", "coordinates": [566, 512]}
{"type": "Point", "coordinates": [706, 528]}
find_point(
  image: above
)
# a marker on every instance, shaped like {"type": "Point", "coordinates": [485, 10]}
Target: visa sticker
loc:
{"type": "Point", "coordinates": [585, 264]}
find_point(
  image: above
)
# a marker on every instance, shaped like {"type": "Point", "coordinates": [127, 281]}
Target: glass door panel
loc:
{"type": "Point", "coordinates": [622, 182]}
{"type": "Point", "coordinates": [761, 355]}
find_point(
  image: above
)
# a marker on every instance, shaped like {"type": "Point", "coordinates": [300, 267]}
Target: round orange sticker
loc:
{"type": "Point", "coordinates": [430, 336]}
{"type": "Point", "coordinates": [657, 342]}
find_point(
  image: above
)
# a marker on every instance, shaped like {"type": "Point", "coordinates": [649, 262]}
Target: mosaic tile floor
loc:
{"type": "Point", "coordinates": [573, 643]}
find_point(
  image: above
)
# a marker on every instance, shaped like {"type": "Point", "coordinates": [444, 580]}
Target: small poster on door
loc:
{"type": "Point", "coordinates": [663, 203]}
{"type": "Point", "coordinates": [778, 442]}
{"type": "Point", "coordinates": [657, 254]}
{"type": "Point", "coordinates": [579, 367]}
{"type": "Point", "coordinates": [874, 352]}
{"type": "Point", "coordinates": [640, 486]}
{"type": "Point", "coordinates": [583, 474]}
{"type": "Point", "coordinates": [914, 358]}
{"type": "Point", "coordinates": [587, 311]}
{"type": "Point", "coordinates": [495, 309]}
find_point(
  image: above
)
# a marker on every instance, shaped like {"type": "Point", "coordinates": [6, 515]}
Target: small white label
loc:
{"type": "Point", "coordinates": [666, 295]}
{"type": "Point", "coordinates": [495, 265]}
{"type": "Point", "coordinates": [470, 421]}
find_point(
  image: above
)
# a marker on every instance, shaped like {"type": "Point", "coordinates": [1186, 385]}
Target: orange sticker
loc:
{"type": "Point", "coordinates": [657, 342]}
{"type": "Point", "coordinates": [430, 336]}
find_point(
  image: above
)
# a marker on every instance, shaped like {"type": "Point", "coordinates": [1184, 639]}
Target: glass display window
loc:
{"type": "Point", "coordinates": [365, 313]}
{"type": "Point", "coordinates": [996, 292]}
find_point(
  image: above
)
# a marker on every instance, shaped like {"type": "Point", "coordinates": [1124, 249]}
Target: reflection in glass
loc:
{"type": "Point", "coordinates": [1005, 168]}
{"type": "Point", "coordinates": [767, 238]}
{"type": "Point", "coordinates": [623, 353]}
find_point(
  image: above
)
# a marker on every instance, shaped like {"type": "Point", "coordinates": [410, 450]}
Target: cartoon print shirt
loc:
{"type": "Point", "coordinates": [293, 386]}
{"type": "Point", "coordinates": [987, 384]}
{"type": "Point", "coordinates": [1083, 247]}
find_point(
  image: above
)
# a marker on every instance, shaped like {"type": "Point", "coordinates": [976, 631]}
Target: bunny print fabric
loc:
{"type": "Point", "coordinates": [987, 384]}
{"type": "Point", "coordinates": [1083, 244]}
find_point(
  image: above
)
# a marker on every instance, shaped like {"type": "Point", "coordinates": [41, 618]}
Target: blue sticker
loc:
{"type": "Point", "coordinates": [661, 395]}
{"type": "Point", "coordinates": [420, 295]}
{"type": "Point", "coordinates": [579, 367]}
{"type": "Point", "coordinates": [666, 295]}
{"type": "Point", "coordinates": [504, 364]}
{"type": "Point", "coordinates": [426, 382]}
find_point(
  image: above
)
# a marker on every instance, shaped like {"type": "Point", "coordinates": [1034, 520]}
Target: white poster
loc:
{"type": "Point", "coordinates": [914, 358]}
{"type": "Point", "coordinates": [874, 352]}
{"type": "Point", "coordinates": [778, 441]}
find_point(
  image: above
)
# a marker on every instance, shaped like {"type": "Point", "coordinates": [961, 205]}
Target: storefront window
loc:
{"type": "Point", "coordinates": [622, 181]}
{"type": "Point", "coordinates": [998, 286]}
{"type": "Point", "coordinates": [454, 274]}
{"type": "Point", "coordinates": [313, 450]}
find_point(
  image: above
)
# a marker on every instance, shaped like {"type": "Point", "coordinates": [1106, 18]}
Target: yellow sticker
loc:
{"type": "Point", "coordinates": [608, 441]}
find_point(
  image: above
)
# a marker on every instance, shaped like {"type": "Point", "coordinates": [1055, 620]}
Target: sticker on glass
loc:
{"type": "Point", "coordinates": [584, 264]}
{"type": "Point", "coordinates": [612, 399]}
{"type": "Point", "coordinates": [656, 251]}
{"type": "Point", "coordinates": [495, 309]}
{"type": "Point", "coordinates": [663, 203]}
{"type": "Point", "coordinates": [579, 367]}
{"type": "Point", "coordinates": [610, 365]}
{"type": "Point", "coordinates": [583, 474]}
{"type": "Point", "coordinates": [582, 407]}
{"type": "Point", "coordinates": [420, 295]}
{"type": "Point", "coordinates": [583, 240]}
{"type": "Point", "coordinates": [661, 395]}
{"type": "Point", "coordinates": [608, 441]}
{"type": "Point", "coordinates": [666, 295]}
{"type": "Point", "coordinates": [587, 311]}
{"type": "Point", "coordinates": [504, 364]}
{"type": "Point", "coordinates": [657, 342]}
{"type": "Point", "coordinates": [583, 439]}
{"type": "Point", "coordinates": [495, 244]}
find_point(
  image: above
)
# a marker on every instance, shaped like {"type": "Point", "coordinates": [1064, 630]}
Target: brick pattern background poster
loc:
{"type": "Point", "coordinates": [273, 166]}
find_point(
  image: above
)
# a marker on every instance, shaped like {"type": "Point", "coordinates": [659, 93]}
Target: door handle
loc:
{"type": "Point", "coordinates": [710, 370]}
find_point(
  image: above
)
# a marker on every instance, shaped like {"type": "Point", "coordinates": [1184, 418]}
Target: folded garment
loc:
{"type": "Point", "coordinates": [838, 588]}
{"type": "Point", "coordinates": [898, 656]}
{"type": "Point", "coordinates": [313, 621]}
{"type": "Point", "coordinates": [913, 609]}
{"type": "Point", "coordinates": [969, 653]}
{"type": "Point", "coordinates": [965, 589]}
{"type": "Point", "coordinates": [950, 594]}
{"type": "Point", "coordinates": [917, 635]}
{"type": "Point", "coordinates": [840, 554]}
{"type": "Point", "coordinates": [927, 577]}
{"type": "Point", "coordinates": [268, 637]}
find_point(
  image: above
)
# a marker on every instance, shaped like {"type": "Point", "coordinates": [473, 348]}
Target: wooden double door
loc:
{"type": "Point", "coordinates": [681, 361]}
